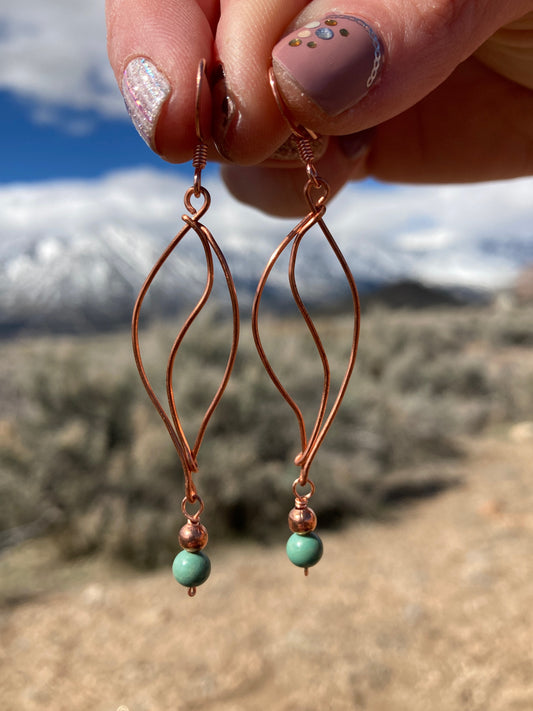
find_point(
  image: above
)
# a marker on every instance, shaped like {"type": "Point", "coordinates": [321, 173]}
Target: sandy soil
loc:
{"type": "Point", "coordinates": [429, 610]}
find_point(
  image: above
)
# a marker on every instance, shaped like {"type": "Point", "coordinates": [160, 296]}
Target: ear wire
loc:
{"type": "Point", "coordinates": [191, 567]}
{"type": "Point", "coordinates": [304, 547]}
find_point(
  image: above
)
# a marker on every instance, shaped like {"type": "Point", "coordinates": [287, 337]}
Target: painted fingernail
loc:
{"type": "Point", "coordinates": [288, 152]}
{"type": "Point", "coordinates": [225, 113]}
{"type": "Point", "coordinates": [334, 61]}
{"type": "Point", "coordinates": [145, 89]}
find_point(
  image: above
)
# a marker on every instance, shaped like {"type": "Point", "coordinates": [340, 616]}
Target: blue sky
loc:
{"type": "Point", "coordinates": [65, 131]}
{"type": "Point", "coordinates": [33, 152]}
{"type": "Point", "coordinates": [62, 115]}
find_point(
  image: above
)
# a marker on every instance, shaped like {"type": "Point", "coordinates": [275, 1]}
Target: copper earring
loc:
{"type": "Point", "coordinates": [191, 566]}
{"type": "Point", "coordinates": [304, 546]}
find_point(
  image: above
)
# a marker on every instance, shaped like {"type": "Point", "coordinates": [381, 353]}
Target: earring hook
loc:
{"type": "Point", "coordinates": [299, 131]}
{"type": "Point", "coordinates": [201, 76]}
{"type": "Point", "coordinates": [200, 152]}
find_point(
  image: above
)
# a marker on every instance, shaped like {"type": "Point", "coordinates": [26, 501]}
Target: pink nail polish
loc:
{"type": "Point", "coordinates": [334, 61]}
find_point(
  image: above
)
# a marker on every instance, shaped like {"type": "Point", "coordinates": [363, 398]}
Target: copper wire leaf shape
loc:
{"type": "Point", "coordinates": [309, 446]}
{"type": "Point", "coordinates": [187, 454]}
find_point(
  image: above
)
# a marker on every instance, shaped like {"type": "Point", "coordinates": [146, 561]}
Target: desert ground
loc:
{"type": "Point", "coordinates": [427, 608]}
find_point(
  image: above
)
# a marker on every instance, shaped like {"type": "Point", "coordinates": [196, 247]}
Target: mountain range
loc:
{"type": "Point", "coordinates": [79, 267]}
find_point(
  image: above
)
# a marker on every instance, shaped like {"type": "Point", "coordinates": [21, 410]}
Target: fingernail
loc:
{"type": "Point", "coordinates": [355, 145]}
{"type": "Point", "coordinates": [288, 152]}
{"type": "Point", "coordinates": [145, 89]}
{"type": "Point", "coordinates": [335, 61]}
{"type": "Point", "coordinates": [225, 113]}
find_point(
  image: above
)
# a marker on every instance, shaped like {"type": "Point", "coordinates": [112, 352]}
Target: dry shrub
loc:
{"type": "Point", "coordinates": [86, 446]}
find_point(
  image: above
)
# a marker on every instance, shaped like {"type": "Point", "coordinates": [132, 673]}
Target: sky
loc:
{"type": "Point", "coordinates": [62, 114]}
{"type": "Point", "coordinates": [66, 138]}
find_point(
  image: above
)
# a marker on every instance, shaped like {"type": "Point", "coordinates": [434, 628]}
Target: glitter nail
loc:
{"type": "Point", "coordinates": [145, 90]}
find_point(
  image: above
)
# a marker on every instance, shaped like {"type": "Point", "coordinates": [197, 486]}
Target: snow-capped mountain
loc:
{"type": "Point", "coordinates": [74, 254]}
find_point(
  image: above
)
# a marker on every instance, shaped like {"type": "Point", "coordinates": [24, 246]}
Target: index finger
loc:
{"type": "Point", "coordinates": [155, 47]}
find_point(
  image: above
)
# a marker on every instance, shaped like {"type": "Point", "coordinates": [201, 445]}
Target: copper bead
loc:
{"type": "Point", "coordinates": [193, 536]}
{"type": "Point", "coordinates": [302, 520]}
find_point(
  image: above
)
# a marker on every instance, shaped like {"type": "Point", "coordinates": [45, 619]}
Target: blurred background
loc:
{"type": "Point", "coordinates": [423, 488]}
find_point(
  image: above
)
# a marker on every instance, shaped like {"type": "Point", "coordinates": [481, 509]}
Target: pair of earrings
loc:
{"type": "Point", "coordinates": [191, 566]}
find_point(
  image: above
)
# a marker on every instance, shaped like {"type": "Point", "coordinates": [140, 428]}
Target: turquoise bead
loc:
{"type": "Point", "coordinates": [304, 549]}
{"type": "Point", "coordinates": [191, 568]}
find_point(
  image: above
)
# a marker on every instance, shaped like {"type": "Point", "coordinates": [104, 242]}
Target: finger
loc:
{"type": "Point", "coordinates": [475, 126]}
{"type": "Point", "coordinates": [374, 61]}
{"type": "Point", "coordinates": [155, 47]}
{"type": "Point", "coordinates": [247, 124]}
{"type": "Point", "coordinates": [279, 189]}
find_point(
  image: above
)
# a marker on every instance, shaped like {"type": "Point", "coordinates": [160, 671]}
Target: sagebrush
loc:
{"type": "Point", "coordinates": [84, 455]}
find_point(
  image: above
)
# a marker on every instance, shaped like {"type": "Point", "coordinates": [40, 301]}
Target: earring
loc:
{"type": "Point", "coordinates": [304, 547]}
{"type": "Point", "coordinates": [191, 567]}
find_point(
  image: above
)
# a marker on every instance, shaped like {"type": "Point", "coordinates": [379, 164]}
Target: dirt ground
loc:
{"type": "Point", "coordinates": [431, 609]}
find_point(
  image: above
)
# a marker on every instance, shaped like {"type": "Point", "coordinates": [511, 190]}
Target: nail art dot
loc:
{"type": "Point", "coordinates": [295, 43]}
{"type": "Point", "coordinates": [312, 44]}
{"type": "Point", "coordinates": [331, 23]}
{"type": "Point", "coordinates": [344, 32]}
{"type": "Point", "coordinates": [312, 25]}
{"type": "Point", "coordinates": [304, 33]}
{"type": "Point", "coordinates": [324, 33]}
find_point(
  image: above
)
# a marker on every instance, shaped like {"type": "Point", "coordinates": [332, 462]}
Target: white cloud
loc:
{"type": "Point", "coordinates": [54, 56]}
{"type": "Point", "coordinates": [477, 236]}
{"type": "Point", "coordinates": [431, 239]}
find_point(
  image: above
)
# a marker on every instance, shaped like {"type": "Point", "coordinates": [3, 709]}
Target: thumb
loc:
{"type": "Point", "coordinates": [342, 72]}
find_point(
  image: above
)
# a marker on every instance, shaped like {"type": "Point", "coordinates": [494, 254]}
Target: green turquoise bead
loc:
{"type": "Point", "coordinates": [191, 568]}
{"type": "Point", "coordinates": [304, 549]}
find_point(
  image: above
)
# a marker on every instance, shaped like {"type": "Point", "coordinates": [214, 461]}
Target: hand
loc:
{"type": "Point", "coordinates": [434, 113]}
